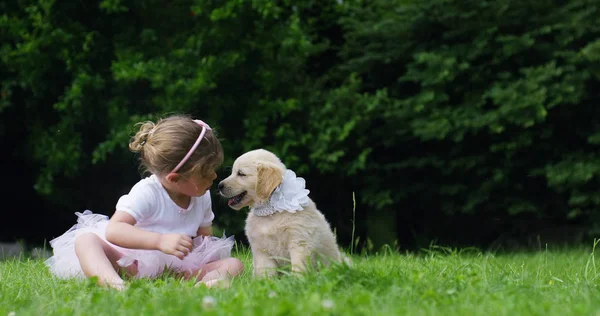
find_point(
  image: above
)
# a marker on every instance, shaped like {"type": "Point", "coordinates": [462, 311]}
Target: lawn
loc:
{"type": "Point", "coordinates": [437, 281]}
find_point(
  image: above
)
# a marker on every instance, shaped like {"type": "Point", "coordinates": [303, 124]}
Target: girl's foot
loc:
{"type": "Point", "coordinates": [132, 270]}
{"type": "Point", "coordinates": [116, 284]}
{"type": "Point", "coordinates": [218, 283]}
{"type": "Point", "coordinates": [128, 266]}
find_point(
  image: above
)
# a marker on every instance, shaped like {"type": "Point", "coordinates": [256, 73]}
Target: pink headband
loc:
{"type": "Point", "coordinates": [204, 128]}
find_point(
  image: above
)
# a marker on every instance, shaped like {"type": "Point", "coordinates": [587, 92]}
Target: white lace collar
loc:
{"type": "Point", "coordinates": [289, 196]}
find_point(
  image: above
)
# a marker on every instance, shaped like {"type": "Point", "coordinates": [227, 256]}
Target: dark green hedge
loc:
{"type": "Point", "coordinates": [444, 118]}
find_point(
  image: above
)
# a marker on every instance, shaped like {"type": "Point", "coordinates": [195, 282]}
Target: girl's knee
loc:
{"type": "Point", "coordinates": [86, 239]}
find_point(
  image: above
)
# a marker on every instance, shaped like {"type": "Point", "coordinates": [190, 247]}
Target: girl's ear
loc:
{"type": "Point", "coordinates": [173, 177]}
{"type": "Point", "coordinates": [269, 176]}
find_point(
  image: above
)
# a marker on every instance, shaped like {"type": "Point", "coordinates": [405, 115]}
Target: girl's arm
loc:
{"type": "Point", "coordinates": [205, 227]}
{"type": "Point", "coordinates": [121, 232]}
{"type": "Point", "coordinates": [205, 231]}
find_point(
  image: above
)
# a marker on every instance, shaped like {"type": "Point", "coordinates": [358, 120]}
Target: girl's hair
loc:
{"type": "Point", "coordinates": [163, 145]}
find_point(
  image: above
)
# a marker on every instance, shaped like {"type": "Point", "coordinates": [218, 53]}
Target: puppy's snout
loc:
{"type": "Point", "coordinates": [221, 186]}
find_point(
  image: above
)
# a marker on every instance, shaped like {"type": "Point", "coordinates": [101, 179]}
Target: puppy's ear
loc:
{"type": "Point", "coordinates": [269, 176]}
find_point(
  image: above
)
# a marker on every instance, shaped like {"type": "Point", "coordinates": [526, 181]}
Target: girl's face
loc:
{"type": "Point", "coordinates": [197, 184]}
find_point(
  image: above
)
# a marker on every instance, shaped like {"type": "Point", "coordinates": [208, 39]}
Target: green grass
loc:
{"type": "Point", "coordinates": [436, 282]}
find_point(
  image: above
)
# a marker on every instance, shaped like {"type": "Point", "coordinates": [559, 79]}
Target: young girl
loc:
{"type": "Point", "coordinates": [154, 225]}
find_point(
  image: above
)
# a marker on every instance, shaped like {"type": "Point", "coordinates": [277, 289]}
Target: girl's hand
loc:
{"type": "Point", "coordinates": [175, 244]}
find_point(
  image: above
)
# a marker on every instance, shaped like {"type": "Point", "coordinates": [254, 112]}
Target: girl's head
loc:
{"type": "Point", "coordinates": [163, 146]}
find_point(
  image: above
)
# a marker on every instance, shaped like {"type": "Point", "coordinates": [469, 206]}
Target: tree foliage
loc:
{"type": "Point", "coordinates": [424, 109]}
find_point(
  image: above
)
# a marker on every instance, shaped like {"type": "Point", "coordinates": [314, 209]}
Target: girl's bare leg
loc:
{"type": "Point", "coordinates": [211, 273]}
{"type": "Point", "coordinates": [99, 259]}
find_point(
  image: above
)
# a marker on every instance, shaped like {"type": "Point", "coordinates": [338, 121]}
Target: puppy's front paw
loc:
{"type": "Point", "coordinates": [264, 266]}
{"type": "Point", "coordinates": [299, 268]}
{"type": "Point", "coordinates": [265, 272]}
{"type": "Point", "coordinates": [300, 258]}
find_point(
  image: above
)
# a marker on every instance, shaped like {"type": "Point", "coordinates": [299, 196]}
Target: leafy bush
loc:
{"type": "Point", "coordinates": [424, 109]}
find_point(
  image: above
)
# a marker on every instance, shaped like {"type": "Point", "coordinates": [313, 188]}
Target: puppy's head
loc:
{"type": "Point", "coordinates": [254, 176]}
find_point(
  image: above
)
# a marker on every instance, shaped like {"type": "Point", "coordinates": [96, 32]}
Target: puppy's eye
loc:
{"type": "Point", "coordinates": [240, 174]}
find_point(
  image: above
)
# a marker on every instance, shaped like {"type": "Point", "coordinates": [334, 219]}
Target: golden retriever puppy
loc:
{"type": "Point", "coordinates": [284, 225]}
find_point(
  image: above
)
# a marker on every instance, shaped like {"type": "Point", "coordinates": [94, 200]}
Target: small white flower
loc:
{"type": "Point", "coordinates": [209, 302]}
{"type": "Point", "coordinates": [12, 314]}
{"type": "Point", "coordinates": [272, 294]}
{"type": "Point", "coordinates": [327, 304]}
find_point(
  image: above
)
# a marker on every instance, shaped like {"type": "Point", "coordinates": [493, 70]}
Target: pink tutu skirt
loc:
{"type": "Point", "coordinates": [151, 263]}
